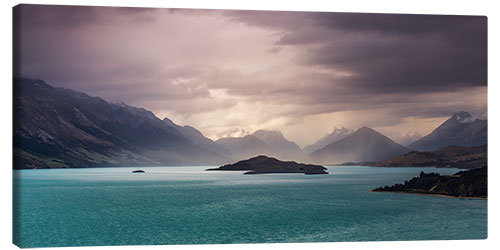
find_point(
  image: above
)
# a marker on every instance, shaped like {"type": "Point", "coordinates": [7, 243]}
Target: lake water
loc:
{"type": "Point", "coordinates": [187, 205]}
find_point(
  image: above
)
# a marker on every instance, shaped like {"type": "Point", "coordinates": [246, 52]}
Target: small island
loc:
{"type": "Point", "coordinates": [267, 165]}
{"type": "Point", "coordinates": [464, 184]}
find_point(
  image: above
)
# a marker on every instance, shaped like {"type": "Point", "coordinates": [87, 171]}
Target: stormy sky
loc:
{"type": "Point", "coordinates": [229, 73]}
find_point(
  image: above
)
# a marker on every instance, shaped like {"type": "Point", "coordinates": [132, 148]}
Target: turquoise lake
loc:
{"type": "Point", "coordinates": [187, 205]}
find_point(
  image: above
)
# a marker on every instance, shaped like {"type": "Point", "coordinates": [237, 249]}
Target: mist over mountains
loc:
{"type": "Point", "coordinates": [262, 142]}
{"type": "Point", "coordinates": [245, 147]}
{"type": "Point", "coordinates": [197, 137]}
{"type": "Point", "coordinates": [407, 138]}
{"type": "Point", "coordinates": [337, 134]}
{"type": "Point", "coordinates": [276, 140]}
{"type": "Point", "coordinates": [365, 144]}
{"type": "Point", "coordinates": [460, 130]}
{"type": "Point", "coordinates": [55, 127]}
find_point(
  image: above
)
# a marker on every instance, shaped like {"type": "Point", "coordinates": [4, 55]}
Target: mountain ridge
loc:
{"type": "Point", "coordinates": [262, 142]}
{"type": "Point", "coordinates": [244, 147]}
{"type": "Point", "coordinates": [338, 133]}
{"type": "Point", "coordinates": [365, 144]}
{"type": "Point", "coordinates": [276, 140]}
{"type": "Point", "coordinates": [55, 127]}
{"type": "Point", "coordinates": [459, 130]}
{"type": "Point", "coordinates": [198, 138]}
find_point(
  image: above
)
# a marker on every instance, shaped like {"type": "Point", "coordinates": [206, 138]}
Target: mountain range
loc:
{"type": "Point", "coordinates": [56, 127]}
{"type": "Point", "coordinates": [460, 130]}
{"type": "Point", "coordinates": [262, 142]}
{"type": "Point", "coordinates": [337, 134]}
{"type": "Point", "coordinates": [247, 146]}
{"type": "Point", "coordinates": [197, 137]}
{"type": "Point", "coordinates": [365, 144]}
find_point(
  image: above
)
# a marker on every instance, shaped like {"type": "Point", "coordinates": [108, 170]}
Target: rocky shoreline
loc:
{"type": "Point", "coordinates": [437, 195]}
{"type": "Point", "coordinates": [464, 184]}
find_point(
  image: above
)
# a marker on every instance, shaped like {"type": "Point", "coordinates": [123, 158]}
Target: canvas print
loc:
{"type": "Point", "coordinates": [157, 126]}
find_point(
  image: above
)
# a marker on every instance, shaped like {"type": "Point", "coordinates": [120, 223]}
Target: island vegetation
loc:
{"type": "Point", "coordinates": [468, 184]}
{"type": "Point", "coordinates": [267, 165]}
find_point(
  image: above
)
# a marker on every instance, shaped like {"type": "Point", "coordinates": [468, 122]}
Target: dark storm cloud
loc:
{"type": "Point", "coordinates": [387, 53]}
{"type": "Point", "coordinates": [406, 24]}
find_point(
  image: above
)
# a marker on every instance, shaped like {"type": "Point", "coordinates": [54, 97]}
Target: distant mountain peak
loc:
{"type": "Point", "coordinates": [268, 133]}
{"type": "Point", "coordinates": [276, 140]}
{"type": "Point", "coordinates": [337, 130]}
{"type": "Point", "coordinates": [365, 144]}
{"type": "Point", "coordinates": [169, 122]}
{"type": "Point", "coordinates": [461, 129]}
{"type": "Point", "coordinates": [406, 138]}
{"type": "Point", "coordinates": [336, 134]}
{"type": "Point", "coordinates": [231, 133]}
{"type": "Point", "coordinates": [262, 142]}
{"type": "Point", "coordinates": [462, 117]}
{"type": "Point", "coordinates": [366, 129]}
{"type": "Point", "coordinates": [36, 83]}
{"type": "Point", "coordinates": [461, 114]}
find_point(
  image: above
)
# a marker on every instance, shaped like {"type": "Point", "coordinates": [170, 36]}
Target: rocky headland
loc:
{"type": "Point", "coordinates": [466, 184]}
